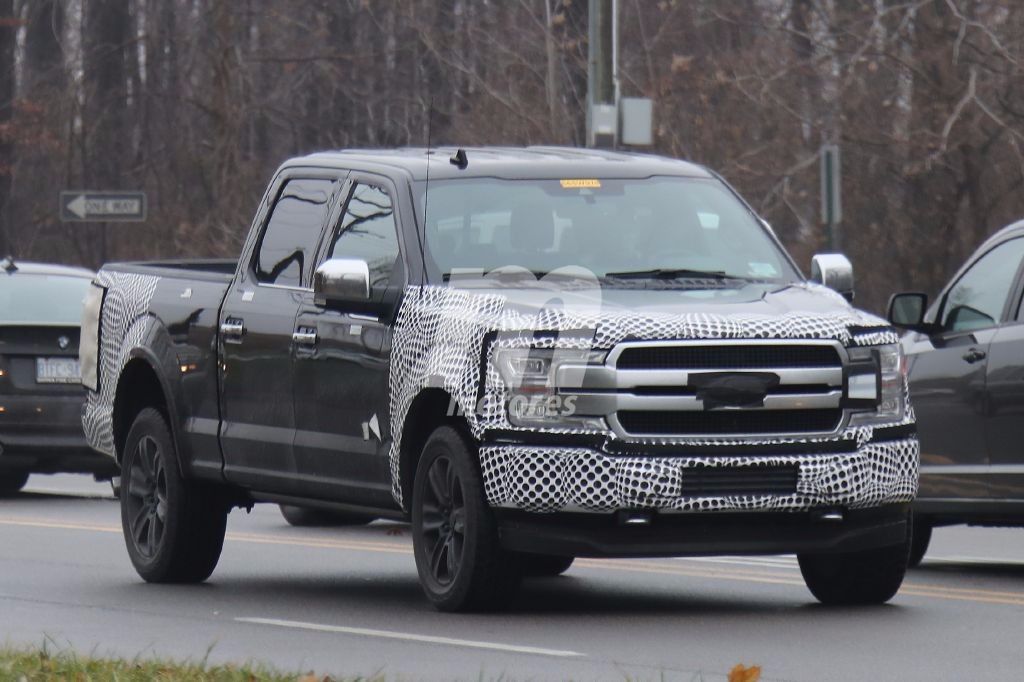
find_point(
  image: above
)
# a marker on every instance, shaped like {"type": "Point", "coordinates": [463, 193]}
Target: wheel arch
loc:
{"type": "Point", "coordinates": [141, 385]}
{"type": "Point", "coordinates": [432, 407]}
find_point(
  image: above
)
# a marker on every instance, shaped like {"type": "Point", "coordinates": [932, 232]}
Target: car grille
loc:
{"type": "Point", "coordinates": [743, 480]}
{"type": "Point", "coordinates": [754, 356]}
{"type": "Point", "coordinates": [728, 422]}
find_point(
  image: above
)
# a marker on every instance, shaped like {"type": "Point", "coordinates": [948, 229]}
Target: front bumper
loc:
{"type": "Point", "coordinates": [875, 470]}
{"type": "Point", "coordinates": [605, 535]}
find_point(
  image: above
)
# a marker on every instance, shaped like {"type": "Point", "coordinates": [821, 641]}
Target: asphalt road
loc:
{"type": "Point", "coordinates": [346, 602]}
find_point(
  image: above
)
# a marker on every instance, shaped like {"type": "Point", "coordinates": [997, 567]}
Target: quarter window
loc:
{"type": "Point", "coordinates": [367, 231]}
{"type": "Point", "coordinates": [976, 301]}
{"type": "Point", "coordinates": [289, 242]}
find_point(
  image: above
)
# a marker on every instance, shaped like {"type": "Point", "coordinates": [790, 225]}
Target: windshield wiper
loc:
{"type": "Point", "coordinates": [673, 273]}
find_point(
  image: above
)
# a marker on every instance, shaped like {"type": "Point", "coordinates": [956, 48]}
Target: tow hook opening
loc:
{"type": "Point", "coordinates": [835, 515]}
{"type": "Point", "coordinates": [629, 517]}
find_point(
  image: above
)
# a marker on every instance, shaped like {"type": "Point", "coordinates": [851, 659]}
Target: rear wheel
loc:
{"type": "Point", "coordinates": [12, 481]}
{"type": "Point", "coordinates": [545, 565]}
{"type": "Point", "coordinates": [919, 541]}
{"type": "Point", "coordinates": [460, 562]}
{"type": "Point", "coordinates": [854, 578]}
{"type": "Point", "coordinates": [309, 517]}
{"type": "Point", "coordinates": [173, 527]}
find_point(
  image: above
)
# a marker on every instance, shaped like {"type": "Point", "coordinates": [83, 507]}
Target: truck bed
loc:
{"type": "Point", "coordinates": [206, 269]}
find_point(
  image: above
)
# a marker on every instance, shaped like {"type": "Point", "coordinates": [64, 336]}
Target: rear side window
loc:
{"type": "Point", "coordinates": [288, 245]}
{"type": "Point", "coordinates": [976, 301]}
{"type": "Point", "coordinates": [367, 231]}
{"type": "Point", "coordinates": [42, 299]}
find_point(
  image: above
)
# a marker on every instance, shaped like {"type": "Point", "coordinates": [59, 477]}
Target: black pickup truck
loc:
{"type": "Point", "coordinates": [532, 354]}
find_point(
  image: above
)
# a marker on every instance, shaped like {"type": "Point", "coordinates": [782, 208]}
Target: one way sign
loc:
{"type": "Point", "coordinates": [102, 207]}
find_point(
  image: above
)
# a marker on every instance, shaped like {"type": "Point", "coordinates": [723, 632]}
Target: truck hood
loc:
{"type": "Point", "coordinates": [755, 310]}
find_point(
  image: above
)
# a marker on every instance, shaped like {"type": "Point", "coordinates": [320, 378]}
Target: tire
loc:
{"type": "Point", "coordinates": [545, 565]}
{"type": "Point", "coordinates": [857, 578]}
{"type": "Point", "coordinates": [12, 481]}
{"type": "Point", "coordinates": [173, 527]}
{"type": "Point", "coordinates": [460, 562]}
{"type": "Point", "coordinates": [305, 517]}
{"type": "Point", "coordinates": [919, 541]}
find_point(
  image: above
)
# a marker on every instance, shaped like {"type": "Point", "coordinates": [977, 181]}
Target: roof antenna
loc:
{"type": "Point", "coordinates": [8, 265]}
{"type": "Point", "coordinates": [421, 233]}
{"type": "Point", "coordinates": [459, 159]}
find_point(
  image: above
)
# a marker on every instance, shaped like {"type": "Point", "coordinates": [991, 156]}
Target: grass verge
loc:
{"type": "Point", "coordinates": [39, 665]}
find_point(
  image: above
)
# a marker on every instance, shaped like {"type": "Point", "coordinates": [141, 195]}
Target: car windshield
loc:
{"type": "Point", "coordinates": [27, 299]}
{"type": "Point", "coordinates": [665, 228]}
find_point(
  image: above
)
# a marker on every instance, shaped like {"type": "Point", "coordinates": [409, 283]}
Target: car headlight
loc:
{"type": "Point", "coordinates": [535, 398]}
{"type": "Point", "coordinates": [875, 385]}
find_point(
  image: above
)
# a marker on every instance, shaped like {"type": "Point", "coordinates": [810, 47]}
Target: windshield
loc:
{"type": "Point", "coordinates": [42, 299]}
{"type": "Point", "coordinates": [651, 228]}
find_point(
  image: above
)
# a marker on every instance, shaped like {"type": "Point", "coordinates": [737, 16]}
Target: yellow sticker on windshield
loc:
{"type": "Point", "coordinates": [581, 183]}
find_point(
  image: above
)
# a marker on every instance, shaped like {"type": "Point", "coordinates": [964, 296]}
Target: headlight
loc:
{"type": "Point", "coordinates": [535, 398]}
{"type": "Point", "coordinates": [875, 385]}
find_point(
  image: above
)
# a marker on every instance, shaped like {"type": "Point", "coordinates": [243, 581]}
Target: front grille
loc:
{"type": "Point", "coordinates": [728, 422]}
{"type": "Point", "coordinates": [726, 357]}
{"type": "Point", "coordinates": [743, 480]}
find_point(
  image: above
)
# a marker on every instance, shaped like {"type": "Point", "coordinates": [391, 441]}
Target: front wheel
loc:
{"type": "Point", "coordinates": [460, 563]}
{"type": "Point", "coordinates": [919, 541]}
{"type": "Point", "coordinates": [12, 481]}
{"type": "Point", "coordinates": [173, 527]}
{"type": "Point", "coordinates": [870, 576]}
{"type": "Point", "coordinates": [308, 517]}
{"type": "Point", "coordinates": [545, 565]}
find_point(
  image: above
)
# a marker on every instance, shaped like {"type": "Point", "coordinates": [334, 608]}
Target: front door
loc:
{"type": "Point", "coordinates": [257, 321]}
{"type": "Point", "coordinates": [342, 358]}
{"type": "Point", "coordinates": [948, 378]}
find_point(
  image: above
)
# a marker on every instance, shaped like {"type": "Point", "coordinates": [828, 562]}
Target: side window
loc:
{"type": "Point", "coordinates": [288, 245]}
{"type": "Point", "coordinates": [976, 301]}
{"type": "Point", "coordinates": [368, 231]}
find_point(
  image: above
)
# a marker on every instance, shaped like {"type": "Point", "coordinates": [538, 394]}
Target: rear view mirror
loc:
{"type": "Point", "coordinates": [834, 271]}
{"type": "Point", "coordinates": [341, 279]}
{"type": "Point", "coordinates": [907, 310]}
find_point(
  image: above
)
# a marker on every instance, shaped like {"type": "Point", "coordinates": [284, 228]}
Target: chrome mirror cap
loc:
{"type": "Point", "coordinates": [341, 279]}
{"type": "Point", "coordinates": [834, 271]}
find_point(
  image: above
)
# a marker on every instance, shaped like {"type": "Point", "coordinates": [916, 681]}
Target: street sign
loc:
{"type": "Point", "coordinates": [637, 121]}
{"type": "Point", "coordinates": [102, 207]}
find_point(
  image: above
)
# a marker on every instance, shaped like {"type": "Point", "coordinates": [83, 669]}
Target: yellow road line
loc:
{"type": "Point", "coordinates": [650, 567]}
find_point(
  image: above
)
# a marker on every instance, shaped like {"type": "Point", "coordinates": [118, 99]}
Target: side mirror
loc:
{"type": "Point", "coordinates": [835, 271]}
{"type": "Point", "coordinates": [342, 279]}
{"type": "Point", "coordinates": [907, 310]}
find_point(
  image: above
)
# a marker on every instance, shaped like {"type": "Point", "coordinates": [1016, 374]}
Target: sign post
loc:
{"type": "Point", "coordinates": [102, 207]}
{"type": "Point", "coordinates": [831, 200]}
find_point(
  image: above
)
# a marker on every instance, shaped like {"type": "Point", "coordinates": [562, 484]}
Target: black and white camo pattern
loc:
{"type": "Point", "coordinates": [124, 323]}
{"type": "Point", "coordinates": [551, 479]}
{"type": "Point", "coordinates": [440, 337]}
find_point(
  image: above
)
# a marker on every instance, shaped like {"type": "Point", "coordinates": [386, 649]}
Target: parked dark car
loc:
{"type": "Point", "coordinates": [41, 394]}
{"type": "Point", "coordinates": [965, 358]}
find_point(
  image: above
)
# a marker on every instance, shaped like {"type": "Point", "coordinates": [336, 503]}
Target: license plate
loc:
{"type": "Point", "coordinates": [58, 371]}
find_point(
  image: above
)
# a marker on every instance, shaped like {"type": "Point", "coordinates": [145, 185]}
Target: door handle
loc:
{"type": "Point", "coordinates": [232, 329]}
{"type": "Point", "coordinates": [305, 336]}
{"type": "Point", "coordinates": [974, 355]}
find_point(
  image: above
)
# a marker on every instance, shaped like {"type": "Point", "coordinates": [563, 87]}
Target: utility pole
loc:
{"type": "Point", "coordinates": [602, 75]}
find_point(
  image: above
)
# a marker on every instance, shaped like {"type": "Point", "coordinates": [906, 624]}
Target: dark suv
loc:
{"type": "Point", "coordinates": [41, 393]}
{"type": "Point", "coordinates": [966, 365]}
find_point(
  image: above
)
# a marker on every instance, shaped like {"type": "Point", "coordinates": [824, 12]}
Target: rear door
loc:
{"type": "Point", "coordinates": [948, 376]}
{"type": "Point", "coordinates": [256, 325]}
{"type": "Point", "coordinates": [1005, 389]}
{"type": "Point", "coordinates": [342, 357]}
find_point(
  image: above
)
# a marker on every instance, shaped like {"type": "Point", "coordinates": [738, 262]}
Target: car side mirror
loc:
{"type": "Point", "coordinates": [835, 271]}
{"type": "Point", "coordinates": [342, 279]}
{"type": "Point", "coordinates": [907, 311]}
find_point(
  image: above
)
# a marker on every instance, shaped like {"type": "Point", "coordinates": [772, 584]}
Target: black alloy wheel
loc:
{"type": "Point", "coordinates": [147, 498]}
{"type": "Point", "coordinates": [444, 521]}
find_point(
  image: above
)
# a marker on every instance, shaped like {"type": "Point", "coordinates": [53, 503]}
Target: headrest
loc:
{"type": "Point", "coordinates": [532, 227]}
